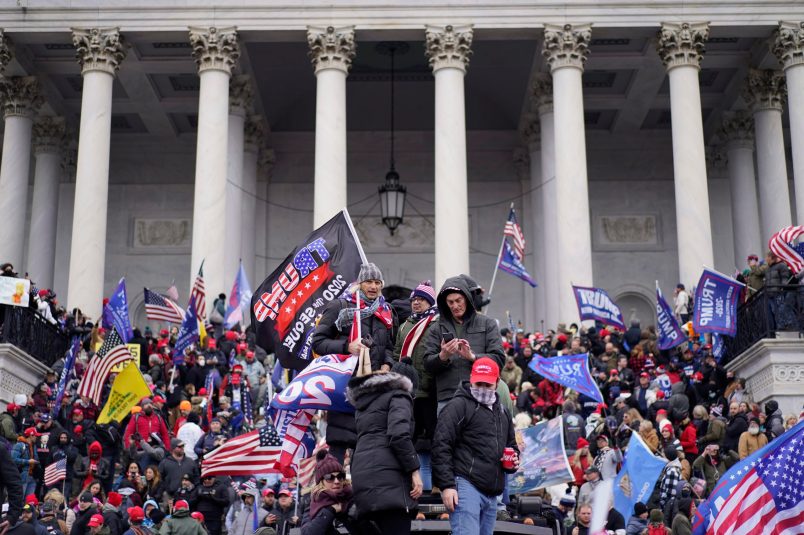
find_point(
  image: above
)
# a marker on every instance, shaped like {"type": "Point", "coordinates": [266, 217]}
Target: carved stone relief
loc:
{"type": "Point", "coordinates": [162, 233]}
{"type": "Point", "coordinates": [627, 231]}
{"type": "Point", "coordinates": [416, 234]}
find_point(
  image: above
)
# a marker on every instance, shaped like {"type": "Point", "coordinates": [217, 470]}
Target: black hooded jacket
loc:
{"type": "Point", "coordinates": [385, 456]}
{"type": "Point", "coordinates": [479, 330]}
{"type": "Point", "coordinates": [469, 442]}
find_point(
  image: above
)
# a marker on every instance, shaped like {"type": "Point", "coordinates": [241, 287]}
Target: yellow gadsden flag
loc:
{"type": "Point", "coordinates": [128, 389]}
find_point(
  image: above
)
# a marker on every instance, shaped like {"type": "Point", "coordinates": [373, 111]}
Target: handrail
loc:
{"type": "Point", "coordinates": [29, 331]}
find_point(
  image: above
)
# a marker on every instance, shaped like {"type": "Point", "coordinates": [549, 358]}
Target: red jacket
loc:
{"type": "Point", "coordinates": [688, 438]}
{"type": "Point", "coordinates": [145, 425]}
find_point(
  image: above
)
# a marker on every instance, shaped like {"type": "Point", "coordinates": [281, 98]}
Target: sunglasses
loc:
{"type": "Point", "coordinates": [340, 476]}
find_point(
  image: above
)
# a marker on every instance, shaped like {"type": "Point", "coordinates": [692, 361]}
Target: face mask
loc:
{"type": "Point", "coordinates": [753, 430]}
{"type": "Point", "coordinates": [484, 396]}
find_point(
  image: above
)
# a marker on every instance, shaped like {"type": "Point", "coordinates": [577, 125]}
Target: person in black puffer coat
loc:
{"type": "Point", "coordinates": [378, 329]}
{"type": "Point", "coordinates": [385, 466]}
{"type": "Point", "coordinates": [472, 433]}
{"type": "Point", "coordinates": [737, 425]}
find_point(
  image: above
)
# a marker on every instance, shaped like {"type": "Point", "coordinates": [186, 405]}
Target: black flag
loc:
{"type": "Point", "coordinates": [285, 306]}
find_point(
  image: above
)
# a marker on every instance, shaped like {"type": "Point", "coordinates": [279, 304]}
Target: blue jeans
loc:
{"type": "Point", "coordinates": [476, 513]}
{"type": "Point", "coordinates": [426, 470]}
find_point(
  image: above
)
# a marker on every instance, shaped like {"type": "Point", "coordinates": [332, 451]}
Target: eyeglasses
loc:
{"type": "Point", "coordinates": [340, 476]}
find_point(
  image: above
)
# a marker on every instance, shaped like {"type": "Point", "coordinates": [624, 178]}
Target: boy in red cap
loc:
{"type": "Point", "coordinates": [473, 438]}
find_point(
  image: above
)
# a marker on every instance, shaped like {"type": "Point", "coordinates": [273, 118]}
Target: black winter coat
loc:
{"type": "Point", "coordinates": [11, 482]}
{"type": "Point", "coordinates": [113, 520]}
{"type": "Point", "coordinates": [736, 427]}
{"type": "Point", "coordinates": [211, 501]}
{"type": "Point", "coordinates": [385, 456]}
{"type": "Point", "coordinates": [479, 330]}
{"type": "Point", "coordinates": [328, 339]}
{"type": "Point", "coordinates": [469, 442]}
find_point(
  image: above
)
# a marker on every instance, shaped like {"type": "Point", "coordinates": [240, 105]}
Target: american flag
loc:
{"type": "Point", "coordinates": [55, 472]}
{"type": "Point", "coordinates": [111, 353]}
{"type": "Point", "coordinates": [293, 427]}
{"type": "Point", "coordinates": [199, 294]}
{"type": "Point", "coordinates": [764, 493]}
{"type": "Point", "coordinates": [255, 452]}
{"type": "Point", "coordinates": [307, 466]}
{"type": "Point", "coordinates": [514, 231]}
{"type": "Point", "coordinates": [780, 245]}
{"type": "Point", "coordinates": [160, 308]}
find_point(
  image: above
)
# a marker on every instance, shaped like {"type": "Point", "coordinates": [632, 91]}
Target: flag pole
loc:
{"type": "Point", "coordinates": [499, 255]}
{"type": "Point", "coordinates": [355, 236]}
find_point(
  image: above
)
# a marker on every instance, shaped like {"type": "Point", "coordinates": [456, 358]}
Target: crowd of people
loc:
{"type": "Point", "coordinates": [438, 395]}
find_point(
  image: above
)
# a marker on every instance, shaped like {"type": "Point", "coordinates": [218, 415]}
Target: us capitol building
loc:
{"type": "Point", "coordinates": [638, 140]}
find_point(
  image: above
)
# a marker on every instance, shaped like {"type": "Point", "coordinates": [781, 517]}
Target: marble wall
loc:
{"type": "Point", "coordinates": [631, 199]}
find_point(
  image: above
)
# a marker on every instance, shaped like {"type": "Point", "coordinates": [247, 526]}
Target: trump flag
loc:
{"type": "Point", "coordinates": [571, 371]}
{"type": "Point", "coordinates": [595, 304]}
{"type": "Point", "coordinates": [321, 385]}
{"type": "Point", "coordinates": [716, 299]}
{"type": "Point", "coordinates": [285, 306]}
{"type": "Point", "coordinates": [670, 334]}
{"type": "Point", "coordinates": [116, 310]}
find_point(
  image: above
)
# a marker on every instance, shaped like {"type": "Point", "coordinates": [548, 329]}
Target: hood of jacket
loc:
{"type": "Point", "coordinates": [96, 447]}
{"type": "Point", "coordinates": [678, 388]}
{"type": "Point", "coordinates": [452, 285]}
{"type": "Point", "coordinates": [362, 391]}
{"type": "Point", "coordinates": [180, 513]}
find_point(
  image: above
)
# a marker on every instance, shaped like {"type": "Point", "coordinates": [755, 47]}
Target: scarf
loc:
{"type": "Point", "coordinates": [417, 331]}
{"type": "Point", "coordinates": [368, 308]}
{"type": "Point", "coordinates": [326, 498]}
{"type": "Point", "coordinates": [432, 311]}
{"type": "Point", "coordinates": [484, 396]}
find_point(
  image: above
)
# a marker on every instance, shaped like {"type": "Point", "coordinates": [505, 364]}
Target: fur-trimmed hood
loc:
{"type": "Point", "coordinates": [363, 390]}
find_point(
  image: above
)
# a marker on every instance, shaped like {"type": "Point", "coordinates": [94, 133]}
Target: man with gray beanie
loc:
{"type": "Point", "coordinates": [378, 326]}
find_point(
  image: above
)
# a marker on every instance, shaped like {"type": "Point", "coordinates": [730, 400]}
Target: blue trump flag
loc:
{"type": "Point", "coordinates": [321, 385]}
{"type": "Point", "coordinates": [763, 492]}
{"type": "Point", "coordinates": [116, 310]}
{"type": "Point", "coordinates": [543, 461]}
{"type": "Point", "coordinates": [718, 346]}
{"type": "Point", "coordinates": [239, 299]}
{"type": "Point", "coordinates": [635, 482]}
{"type": "Point", "coordinates": [716, 300]}
{"type": "Point", "coordinates": [595, 304]}
{"type": "Point", "coordinates": [188, 333]}
{"type": "Point", "coordinates": [513, 266]}
{"type": "Point", "coordinates": [69, 362]}
{"type": "Point", "coordinates": [571, 371]}
{"type": "Point", "coordinates": [670, 334]}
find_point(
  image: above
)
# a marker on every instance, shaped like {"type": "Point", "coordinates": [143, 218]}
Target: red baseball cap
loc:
{"type": "Point", "coordinates": [198, 516]}
{"type": "Point", "coordinates": [136, 514]}
{"type": "Point", "coordinates": [32, 432]}
{"type": "Point", "coordinates": [95, 521]}
{"type": "Point", "coordinates": [484, 370]}
{"type": "Point", "coordinates": [159, 399]}
{"type": "Point", "coordinates": [181, 504]}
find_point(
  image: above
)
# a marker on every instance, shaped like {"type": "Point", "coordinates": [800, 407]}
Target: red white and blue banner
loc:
{"type": "Point", "coordinates": [239, 299]}
{"type": "Point", "coordinates": [669, 333]}
{"type": "Point", "coordinates": [285, 306]}
{"type": "Point", "coordinates": [320, 386]}
{"type": "Point", "coordinates": [571, 371]}
{"type": "Point", "coordinates": [543, 462]}
{"type": "Point", "coordinates": [716, 299]}
{"type": "Point", "coordinates": [595, 304]}
{"type": "Point", "coordinates": [116, 311]}
{"type": "Point", "coordinates": [763, 493]}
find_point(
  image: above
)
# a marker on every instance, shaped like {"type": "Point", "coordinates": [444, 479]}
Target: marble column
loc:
{"type": "Point", "coordinates": [215, 51]}
{"type": "Point", "coordinates": [529, 158]}
{"type": "Point", "coordinates": [265, 165]}
{"type": "Point", "coordinates": [542, 104]}
{"type": "Point", "coordinates": [251, 150]}
{"type": "Point", "coordinates": [738, 133]}
{"type": "Point", "coordinates": [680, 47]}
{"type": "Point", "coordinates": [764, 93]}
{"type": "Point", "coordinates": [100, 52]}
{"type": "Point", "coordinates": [20, 98]}
{"type": "Point", "coordinates": [789, 48]}
{"type": "Point", "coordinates": [240, 95]}
{"type": "Point", "coordinates": [448, 49]}
{"type": "Point", "coordinates": [566, 49]}
{"type": "Point", "coordinates": [331, 52]}
{"type": "Point", "coordinates": [48, 139]}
